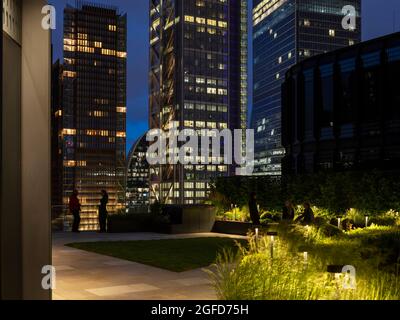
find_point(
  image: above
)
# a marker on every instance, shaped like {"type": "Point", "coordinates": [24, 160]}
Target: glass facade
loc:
{"type": "Point", "coordinates": [198, 80]}
{"type": "Point", "coordinates": [342, 110]}
{"type": "Point", "coordinates": [93, 109]}
{"type": "Point", "coordinates": [137, 186]}
{"type": "Point", "coordinates": [286, 32]}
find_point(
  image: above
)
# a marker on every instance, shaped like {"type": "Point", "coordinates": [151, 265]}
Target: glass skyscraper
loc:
{"type": "Point", "coordinates": [92, 138]}
{"type": "Point", "coordinates": [286, 32]}
{"type": "Point", "coordinates": [198, 80]}
{"type": "Point", "coordinates": [137, 177]}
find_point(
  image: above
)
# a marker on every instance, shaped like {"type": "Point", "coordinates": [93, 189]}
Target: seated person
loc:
{"type": "Point", "coordinates": [307, 217]}
{"type": "Point", "coordinates": [288, 211]}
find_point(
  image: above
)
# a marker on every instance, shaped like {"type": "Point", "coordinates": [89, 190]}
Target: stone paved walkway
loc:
{"type": "Point", "coordinates": [84, 275]}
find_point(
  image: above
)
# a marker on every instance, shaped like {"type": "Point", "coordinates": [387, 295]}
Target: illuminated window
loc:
{"type": "Point", "coordinates": [211, 90]}
{"type": "Point", "coordinates": [121, 109]}
{"type": "Point", "coordinates": [70, 42]}
{"type": "Point", "coordinates": [121, 134]}
{"type": "Point", "coordinates": [69, 163]}
{"type": "Point", "coordinates": [189, 194]}
{"type": "Point", "coordinates": [200, 3]}
{"type": "Point", "coordinates": [121, 54]}
{"type": "Point", "coordinates": [112, 27]}
{"type": "Point", "coordinates": [69, 48]}
{"type": "Point", "coordinates": [189, 18]}
{"type": "Point", "coordinates": [82, 36]}
{"type": "Point", "coordinates": [212, 125]}
{"type": "Point", "coordinates": [188, 123]}
{"type": "Point", "coordinates": [108, 52]}
{"type": "Point", "coordinates": [69, 132]}
{"type": "Point", "coordinates": [332, 32]}
{"type": "Point", "coordinates": [212, 22]}
{"type": "Point", "coordinates": [222, 66]}
{"type": "Point", "coordinates": [211, 31]}
{"type": "Point", "coordinates": [222, 24]}
{"type": "Point", "coordinates": [200, 124]}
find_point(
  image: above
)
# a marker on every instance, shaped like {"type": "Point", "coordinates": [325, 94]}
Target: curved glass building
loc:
{"type": "Point", "coordinates": [137, 186]}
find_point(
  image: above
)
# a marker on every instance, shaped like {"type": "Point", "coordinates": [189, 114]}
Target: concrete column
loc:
{"type": "Point", "coordinates": [25, 232]}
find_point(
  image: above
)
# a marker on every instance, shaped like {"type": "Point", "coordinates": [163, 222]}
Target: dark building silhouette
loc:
{"type": "Point", "coordinates": [286, 32]}
{"type": "Point", "coordinates": [92, 137]}
{"type": "Point", "coordinates": [341, 109]}
{"type": "Point", "coordinates": [137, 177]}
{"type": "Point", "coordinates": [198, 80]}
{"type": "Point", "coordinates": [56, 140]}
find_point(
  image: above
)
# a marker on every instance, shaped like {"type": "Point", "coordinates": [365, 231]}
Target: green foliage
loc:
{"type": "Point", "coordinates": [255, 274]}
{"type": "Point", "coordinates": [355, 193]}
{"type": "Point", "coordinates": [235, 214]}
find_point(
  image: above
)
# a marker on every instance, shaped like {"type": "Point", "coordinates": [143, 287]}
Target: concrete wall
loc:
{"type": "Point", "coordinates": [11, 215]}
{"type": "Point", "coordinates": [25, 192]}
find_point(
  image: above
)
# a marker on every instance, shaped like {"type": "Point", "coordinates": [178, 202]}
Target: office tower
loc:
{"type": "Point", "coordinates": [340, 110]}
{"type": "Point", "coordinates": [93, 110]}
{"type": "Point", "coordinates": [137, 177]}
{"type": "Point", "coordinates": [25, 67]}
{"type": "Point", "coordinates": [286, 32]}
{"type": "Point", "coordinates": [198, 80]}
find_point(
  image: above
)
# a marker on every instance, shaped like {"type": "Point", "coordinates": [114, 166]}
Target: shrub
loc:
{"type": "Point", "coordinates": [328, 230]}
{"type": "Point", "coordinates": [332, 193]}
{"type": "Point", "coordinates": [254, 274]}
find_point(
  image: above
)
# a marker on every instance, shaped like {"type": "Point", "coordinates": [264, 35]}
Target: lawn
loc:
{"type": "Point", "coordinates": [176, 255]}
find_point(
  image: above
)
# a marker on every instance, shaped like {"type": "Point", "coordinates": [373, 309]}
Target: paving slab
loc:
{"type": "Point", "coordinates": [85, 275]}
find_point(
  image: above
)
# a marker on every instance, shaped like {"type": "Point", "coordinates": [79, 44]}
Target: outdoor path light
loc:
{"type": "Point", "coordinates": [336, 270]}
{"type": "Point", "coordinates": [339, 223]}
{"type": "Point", "coordinates": [349, 282]}
{"type": "Point", "coordinates": [272, 236]}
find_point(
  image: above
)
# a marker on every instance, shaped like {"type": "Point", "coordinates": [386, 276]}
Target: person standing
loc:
{"type": "Point", "coordinates": [254, 214]}
{"type": "Point", "coordinates": [103, 211]}
{"type": "Point", "coordinates": [75, 208]}
{"type": "Point", "coordinates": [288, 211]}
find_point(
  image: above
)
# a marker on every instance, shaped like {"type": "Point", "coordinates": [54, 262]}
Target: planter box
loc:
{"type": "Point", "coordinates": [232, 227]}
{"type": "Point", "coordinates": [190, 219]}
{"type": "Point", "coordinates": [184, 219]}
{"type": "Point", "coordinates": [142, 222]}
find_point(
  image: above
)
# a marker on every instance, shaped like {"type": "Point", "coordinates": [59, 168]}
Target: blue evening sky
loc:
{"type": "Point", "coordinates": [380, 17]}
